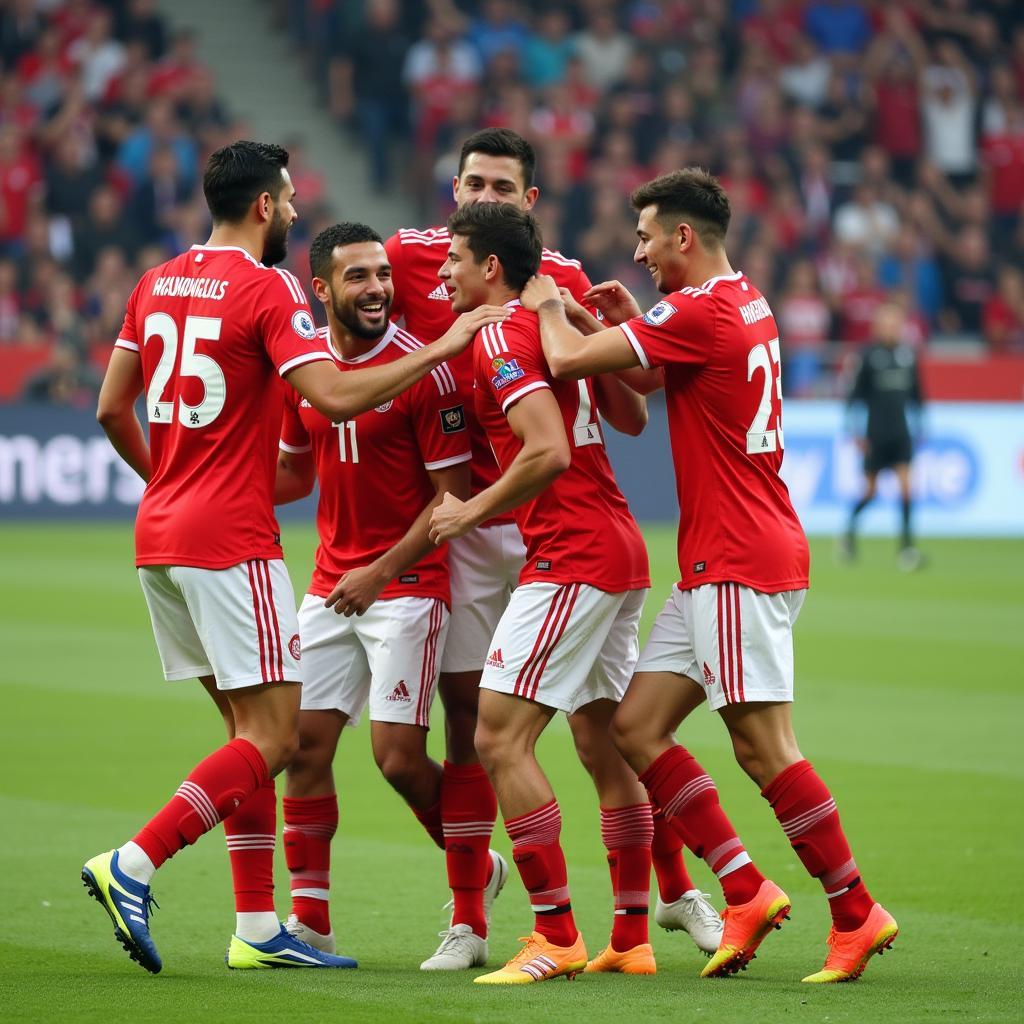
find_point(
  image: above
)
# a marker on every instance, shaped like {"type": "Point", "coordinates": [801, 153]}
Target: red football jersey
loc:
{"type": "Point", "coordinates": [214, 329]}
{"type": "Point", "coordinates": [719, 345]}
{"type": "Point", "coordinates": [373, 469]}
{"type": "Point", "coordinates": [421, 297]}
{"type": "Point", "coordinates": [579, 529]}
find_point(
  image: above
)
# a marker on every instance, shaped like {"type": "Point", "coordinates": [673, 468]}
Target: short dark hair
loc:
{"type": "Point", "coordinates": [692, 193]}
{"type": "Point", "coordinates": [501, 142]}
{"type": "Point", "coordinates": [236, 175]}
{"type": "Point", "coordinates": [321, 251]}
{"type": "Point", "coordinates": [502, 230]}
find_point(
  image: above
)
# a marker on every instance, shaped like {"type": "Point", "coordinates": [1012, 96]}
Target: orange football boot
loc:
{"type": "Point", "coordinates": [638, 960]}
{"type": "Point", "coordinates": [849, 952]}
{"type": "Point", "coordinates": [746, 926]}
{"type": "Point", "coordinates": [539, 960]}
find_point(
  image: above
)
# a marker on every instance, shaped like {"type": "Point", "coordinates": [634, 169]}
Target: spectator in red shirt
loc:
{"type": "Point", "coordinates": [10, 302]}
{"type": "Point", "coordinates": [20, 186]}
{"type": "Point", "coordinates": [172, 74]}
{"type": "Point", "coordinates": [859, 304]}
{"type": "Point", "coordinates": [774, 27]}
{"type": "Point", "coordinates": [558, 122]}
{"type": "Point", "coordinates": [1003, 162]}
{"type": "Point", "coordinates": [1003, 315]}
{"type": "Point", "coordinates": [805, 323]}
{"type": "Point", "coordinates": [44, 70]}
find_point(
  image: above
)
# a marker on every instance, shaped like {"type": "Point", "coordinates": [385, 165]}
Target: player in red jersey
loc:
{"type": "Point", "coordinates": [375, 616]}
{"type": "Point", "coordinates": [497, 166]}
{"type": "Point", "coordinates": [568, 639]}
{"type": "Point", "coordinates": [206, 338]}
{"type": "Point", "coordinates": [725, 634]}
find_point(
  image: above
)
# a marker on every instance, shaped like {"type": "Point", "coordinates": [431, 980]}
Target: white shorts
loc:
{"type": "Point", "coordinates": [735, 642]}
{"type": "Point", "coordinates": [388, 656]}
{"type": "Point", "coordinates": [484, 566]}
{"type": "Point", "coordinates": [235, 624]}
{"type": "Point", "coordinates": [565, 646]}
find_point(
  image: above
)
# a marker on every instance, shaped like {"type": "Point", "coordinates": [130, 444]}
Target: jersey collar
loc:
{"type": "Point", "coordinates": [224, 248]}
{"type": "Point", "coordinates": [512, 303]}
{"type": "Point", "coordinates": [385, 340]}
{"type": "Point", "coordinates": [711, 282]}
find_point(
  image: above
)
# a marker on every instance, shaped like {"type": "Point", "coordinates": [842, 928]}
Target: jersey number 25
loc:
{"type": "Point", "coordinates": [193, 364]}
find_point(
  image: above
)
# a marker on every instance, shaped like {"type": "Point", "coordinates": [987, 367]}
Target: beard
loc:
{"type": "Point", "coordinates": [275, 245]}
{"type": "Point", "coordinates": [348, 317]}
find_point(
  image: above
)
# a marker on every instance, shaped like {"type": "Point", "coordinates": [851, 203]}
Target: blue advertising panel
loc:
{"type": "Point", "coordinates": [968, 474]}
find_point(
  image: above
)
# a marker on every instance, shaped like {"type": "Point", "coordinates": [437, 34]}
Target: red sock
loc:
{"type": "Point", "coordinates": [251, 833]}
{"type": "Point", "coordinates": [627, 833]}
{"type": "Point", "coordinates": [309, 826]}
{"type": "Point", "coordinates": [430, 819]}
{"type": "Point", "coordinates": [667, 858]}
{"type": "Point", "coordinates": [808, 816]}
{"type": "Point", "coordinates": [678, 784]}
{"type": "Point", "coordinates": [468, 811]}
{"type": "Point", "coordinates": [216, 788]}
{"type": "Point", "coordinates": [541, 863]}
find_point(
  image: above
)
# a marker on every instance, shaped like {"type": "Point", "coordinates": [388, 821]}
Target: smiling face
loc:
{"type": "Point", "coordinates": [663, 251]}
{"type": "Point", "coordinates": [467, 280]}
{"type": "Point", "coordinates": [493, 179]}
{"type": "Point", "coordinates": [360, 291]}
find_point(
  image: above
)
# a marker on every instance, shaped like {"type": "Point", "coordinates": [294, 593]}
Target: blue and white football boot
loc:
{"type": "Point", "coordinates": [128, 903]}
{"type": "Point", "coordinates": [283, 950]}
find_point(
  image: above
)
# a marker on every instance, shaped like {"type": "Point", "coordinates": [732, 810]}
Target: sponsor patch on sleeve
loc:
{"type": "Point", "coordinates": [508, 371]}
{"type": "Point", "coordinates": [453, 419]}
{"type": "Point", "coordinates": [302, 324]}
{"type": "Point", "coordinates": [659, 313]}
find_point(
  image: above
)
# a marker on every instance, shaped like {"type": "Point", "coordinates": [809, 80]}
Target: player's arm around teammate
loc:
{"type": "Point", "coordinates": [726, 631]}
{"type": "Point", "coordinates": [341, 397]}
{"type": "Point", "coordinates": [643, 382]}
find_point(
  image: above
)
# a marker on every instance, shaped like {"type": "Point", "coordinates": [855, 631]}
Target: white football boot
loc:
{"type": "Point", "coordinates": [460, 949]}
{"type": "Point", "coordinates": [693, 914]}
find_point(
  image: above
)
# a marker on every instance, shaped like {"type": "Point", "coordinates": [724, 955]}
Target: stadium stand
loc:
{"type": "Point", "coordinates": [106, 118]}
{"type": "Point", "coordinates": [870, 149]}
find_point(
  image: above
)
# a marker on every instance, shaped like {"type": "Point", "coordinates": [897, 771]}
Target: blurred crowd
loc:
{"type": "Point", "coordinates": [106, 119]}
{"type": "Point", "coordinates": [869, 147]}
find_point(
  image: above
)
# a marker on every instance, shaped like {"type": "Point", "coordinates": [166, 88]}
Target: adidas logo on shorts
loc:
{"type": "Point", "coordinates": [400, 694]}
{"type": "Point", "coordinates": [494, 659]}
{"type": "Point", "coordinates": [709, 676]}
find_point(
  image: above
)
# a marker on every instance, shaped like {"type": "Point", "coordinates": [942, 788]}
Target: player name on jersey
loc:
{"type": "Point", "coordinates": [190, 288]}
{"type": "Point", "coordinates": [754, 311]}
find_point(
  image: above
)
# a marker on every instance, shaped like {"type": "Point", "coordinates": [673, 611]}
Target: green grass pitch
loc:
{"type": "Point", "coordinates": [909, 702]}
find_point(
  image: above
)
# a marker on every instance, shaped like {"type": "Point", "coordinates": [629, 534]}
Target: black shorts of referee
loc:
{"type": "Point", "coordinates": [886, 452]}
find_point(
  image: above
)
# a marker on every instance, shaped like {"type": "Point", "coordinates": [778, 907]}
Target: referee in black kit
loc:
{"type": "Point", "coordinates": [888, 388]}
